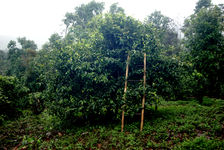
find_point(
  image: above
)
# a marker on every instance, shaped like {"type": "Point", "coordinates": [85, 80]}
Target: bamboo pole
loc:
{"type": "Point", "coordinates": [143, 99]}
{"type": "Point", "coordinates": [125, 90]}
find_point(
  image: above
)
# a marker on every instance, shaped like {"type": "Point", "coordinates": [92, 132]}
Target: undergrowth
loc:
{"type": "Point", "coordinates": [175, 125]}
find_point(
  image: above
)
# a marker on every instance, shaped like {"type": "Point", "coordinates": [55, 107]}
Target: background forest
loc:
{"type": "Point", "coordinates": [78, 78]}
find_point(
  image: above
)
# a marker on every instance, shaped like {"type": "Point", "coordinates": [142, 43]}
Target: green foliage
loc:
{"type": "Point", "coordinates": [202, 4]}
{"type": "Point", "coordinates": [80, 76]}
{"type": "Point", "coordinates": [54, 42]}
{"type": "Point", "coordinates": [76, 22]}
{"type": "Point", "coordinates": [201, 143]}
{"type": "Point", "coordinates": [176, 125]}
{"type": "Point", "coordinates": [114, 8]}
{"type": "Point", "coordinates": [165, 32]}
{"type": "Point", "coordinates": [11, 95]}
{"type": "Point", "coordinates": [207, 101]}
{"type": "Point", "coordinates": [3, 62]}
{"type": "Point", "coordinates": [204, 39]}
{"type": "Point", "coordinates": [36, 102]}
{"type": "Point", "coordinates": [20, 59]}
{"type": "Point", "coordinates": [22, 66]}
{"type": "Point", "coordinates": [16, 66]}
{"type": "Point", "coordinates": [154, 99]}
{"type": "Point", "coordinates": [85, 78]}
{"type": "Point", "coordinates": [27, 44]}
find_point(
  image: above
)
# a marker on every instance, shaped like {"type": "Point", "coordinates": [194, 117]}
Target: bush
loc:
{"type": "Point", "coordinates": [11, 96]}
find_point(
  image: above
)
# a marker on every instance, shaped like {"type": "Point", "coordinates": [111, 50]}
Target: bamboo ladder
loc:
{"type": "Point", "coordinates": [125, 90]}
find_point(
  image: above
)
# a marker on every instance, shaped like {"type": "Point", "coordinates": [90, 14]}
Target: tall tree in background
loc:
{"type": "Point", "coordinates": [55, 42]}
{"type": "Point", "coordinates": [114, 9]}
{"type": "Point", "coordinates": [166, 31]}
{"type": "Point", "coordinates": [3, 62]}
{"type": "Point", "coordinates": [205, 41]}
{"type": "Point", "coordinates": [82, 15]}
{"type": "Point", "coordinates": [202, 4]}
{"type": "Point", "coordinates": [27, 44]}
{"type": "Point", "coordinates": [20, 58]}
{"type": "Point", "coordinates": [14, 58]}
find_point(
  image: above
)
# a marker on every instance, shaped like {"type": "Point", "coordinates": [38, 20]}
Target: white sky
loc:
{"type": "Point", "coordinates": [38, 19]}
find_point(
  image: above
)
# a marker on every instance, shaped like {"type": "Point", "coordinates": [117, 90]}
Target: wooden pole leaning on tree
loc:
{"type": "Point", "coordinates": [143, 99]}
{"type": "Point", "coordinates": [125, 90]}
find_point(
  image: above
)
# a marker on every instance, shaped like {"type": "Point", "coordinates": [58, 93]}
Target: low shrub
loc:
{"type": "Point", "coordinates": [201, 143]}
{"type": "Point", "coordinates": [11, 96]}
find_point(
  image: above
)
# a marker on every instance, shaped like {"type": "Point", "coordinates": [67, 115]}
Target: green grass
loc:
{"type": "Point", "coordinates": [176, 125]}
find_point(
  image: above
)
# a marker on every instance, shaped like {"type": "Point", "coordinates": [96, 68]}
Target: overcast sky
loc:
{"type": "Point", "coordinates": [38, 19]}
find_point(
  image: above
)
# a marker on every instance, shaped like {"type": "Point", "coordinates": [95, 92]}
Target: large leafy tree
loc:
{"type": "Point", "coordinates": [26, 44]}
{"type": "Point", "coordinates": [15, 60]}
{"type": "Point", "coordinates": [202, 4]}
{"type": "Point", "coordinates": [166, 32]}
{"type": "Point", "coordinates": [82, 15]}
{"type": "Point", "coordinates": [55, 42]}
{"type": "Point", "coordinates": [204, 39]}
{"type": "Point", "coordinates": [85, 75]}
{"type": "Point", "coordinates": [114, 8]}
{"type": "Point", "coordinates": [82, 74]}
{"type": "Point", "coordinates": [20, 58]}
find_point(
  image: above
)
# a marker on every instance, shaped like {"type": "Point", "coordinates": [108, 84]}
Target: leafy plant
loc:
{"type": "Point", "coordinates": [11, 96]}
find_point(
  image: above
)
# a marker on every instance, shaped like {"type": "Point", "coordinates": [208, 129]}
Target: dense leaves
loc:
{"type": "Point", "coordinates": [80, 75]}
{"type": "Point", "coordinates": [89, 73]}
{"type": "Point", "coordinates": [11, 96]}
{"type": "Point", "coordinates": [204, 39]}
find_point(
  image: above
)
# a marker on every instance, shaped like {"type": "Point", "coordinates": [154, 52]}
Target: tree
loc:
{"type": "Point", "coordinates": [83, 14]}
{"type": "Point", "coordinates": [114, 9]}
{"type": "Point", "coordinates": [88, 72]}
{"type": "Point", "coordinates": [204, 39]}
{"type": "Point", "coordinates": [166, 32]}
{"type": "Point", "coordinates": [202, 4]}
{"type": "Point", "coordinates": [3, 62]}
{"type": "Point", "coordinates": [11, 95]}
{"type": "Point", "coordinates": [20, 58]}
{"type": "Point", "coordinates": [55, 42]}
{"type": "Point", "coordinates": [76, 22]}
{"type": "Point", "coordinates": [15, 61]}
{"type": "Point", "coordinates": [27, 44]}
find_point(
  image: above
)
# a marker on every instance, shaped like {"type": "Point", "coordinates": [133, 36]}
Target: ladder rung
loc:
{"type": "Point", "coordinates": [135, 80]}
